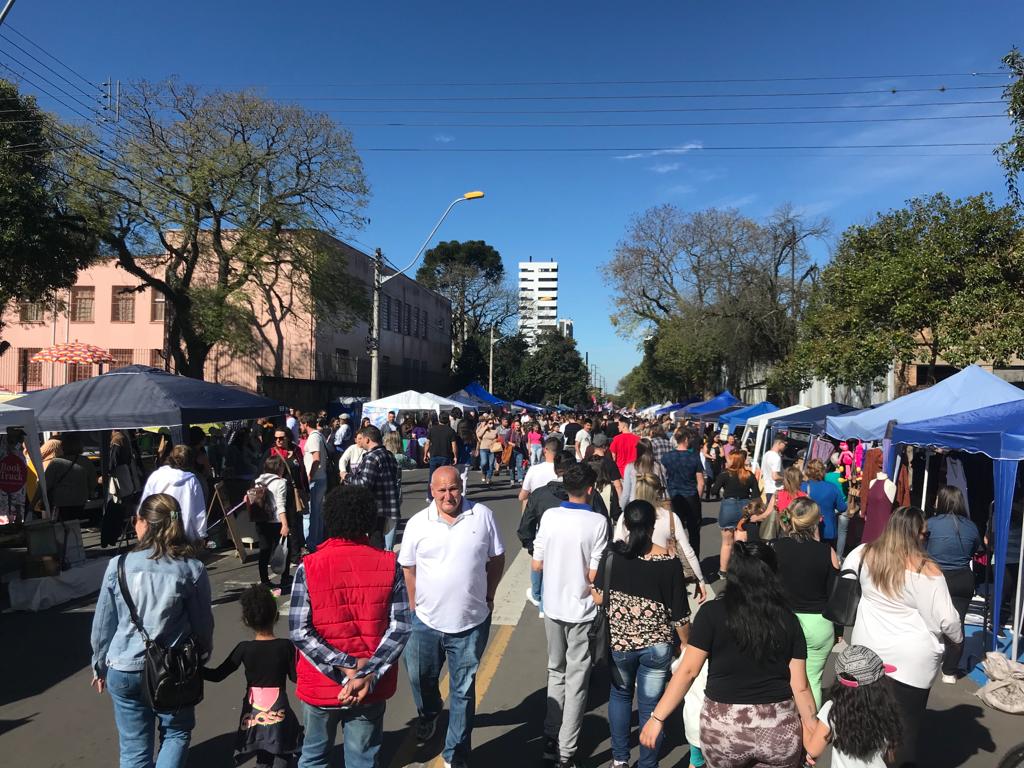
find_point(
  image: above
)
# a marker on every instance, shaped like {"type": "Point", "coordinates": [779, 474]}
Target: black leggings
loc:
{"type": "Point", "coordinates": [912, 703]}
{"type": "Point", "coordinates": [267, 535]}
{"type": "Point", "coordinates": [687, 509]}
{"type": "Point", "coordinates": [961, 589]}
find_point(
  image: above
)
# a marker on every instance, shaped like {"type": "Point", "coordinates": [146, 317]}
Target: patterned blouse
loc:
{"type": "Point", "coordinates": [647, 600]}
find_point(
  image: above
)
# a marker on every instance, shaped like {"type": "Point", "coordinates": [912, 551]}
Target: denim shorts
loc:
{"type": "Point", "coordinates": [730, 512]}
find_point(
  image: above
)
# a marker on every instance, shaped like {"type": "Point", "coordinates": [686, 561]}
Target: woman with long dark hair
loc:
{"type": "Point", "coordinates": [647, 609]}
{"type": "Point", "coordinates": [757, 700]}
{"type": "Point", "coordinates": [953, 539]}
{"type": "Point", "coordinates": [737, 485]}
{"type": "Point", "coordinates": [171, 591]}
{"type": "Point", "coordinates": [904, 615]}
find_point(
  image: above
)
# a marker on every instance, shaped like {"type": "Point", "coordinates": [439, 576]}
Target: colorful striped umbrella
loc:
{"type": "Point", "coordinates": [73, 352]}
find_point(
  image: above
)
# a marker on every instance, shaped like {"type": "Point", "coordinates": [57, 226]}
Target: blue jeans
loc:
{"type": "Point", "coordinates": [536, 587]}
{"type": "Point", "coordinates": [135, 720]}
{"type": "Point", "coordinates": [424, 656]}
{"type": "Point", "coordinates": [432, 465]}
{"type": "Point", "coordinates": [842, 526]}
{"type": "Point", "coordinates": [536, 453]}
{"type": "Point", "coordinates": [487, 463]}
{"type": "Point", "coordinates": [647, 671]}
{"type": "Point", "coordinates": [515, 467]}
{"type": "Point", "coordinates": [315, 536]}
{"type": "Point", "coordinates": [362, 730]}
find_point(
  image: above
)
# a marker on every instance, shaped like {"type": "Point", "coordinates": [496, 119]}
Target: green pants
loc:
{"type": "Point", "coordinates": [820, 636]}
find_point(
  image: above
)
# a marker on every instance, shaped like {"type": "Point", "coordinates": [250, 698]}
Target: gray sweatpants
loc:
{"type": "Point", "coordinates": [568, 675]}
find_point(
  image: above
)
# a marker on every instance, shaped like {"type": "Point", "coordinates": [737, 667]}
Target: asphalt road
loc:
{"type": "Point", "coordinates": [50, 717]}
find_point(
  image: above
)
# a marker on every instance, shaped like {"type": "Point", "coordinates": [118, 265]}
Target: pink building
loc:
{"type": "Point", "coordinates": [310, 362]}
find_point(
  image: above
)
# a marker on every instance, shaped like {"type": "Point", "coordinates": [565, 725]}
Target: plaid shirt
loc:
{"type": "Point", "coordinates": [378, 471]}
{"type": "Point", "coordinates": [661, 445]}
{"type": "Point", "coordinates": [325, 657]}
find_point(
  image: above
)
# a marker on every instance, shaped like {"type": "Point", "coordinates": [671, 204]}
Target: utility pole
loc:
{"type": "Point", "coordinates": [373, 343]}
{"type": "Point", "coordinates": [490, 366]}
{"type": "Point", "coordinates": [6, 10]}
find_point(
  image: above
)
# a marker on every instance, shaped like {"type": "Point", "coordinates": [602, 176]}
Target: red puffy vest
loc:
{"type": "Point", "coordinates": [350, 585]}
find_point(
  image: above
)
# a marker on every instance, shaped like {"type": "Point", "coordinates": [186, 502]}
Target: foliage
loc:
{"type": "Point", "coordinates": [719, 294]}
{"type": "Point", "coordinates": [939, 278]}
{"type": "Point", "coordinates": [555, 372]}
{"type": "Point", "coordinates": [43, 244]}
{"type": "Point", "coordinates": [1011, 152]}
{"type": "Point", "coordinates": [206, 194]}
{"type": "Point", "coordinates": [471, 276]}
{"type": "Point", "coordinates": [472, 362]}
{"type": "Point", "coordinates": [510, 353]}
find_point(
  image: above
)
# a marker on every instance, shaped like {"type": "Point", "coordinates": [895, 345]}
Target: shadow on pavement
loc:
{"type": "Point", "coordinates": [952, 736]}
{"type": "Point", "coordinates": [216, 751]}
{"type": "Point", "coordinates": [42, 650]}
{"type": "Point", "coordinates": [10, 725]}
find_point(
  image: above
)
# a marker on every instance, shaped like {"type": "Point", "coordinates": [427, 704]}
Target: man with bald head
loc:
{"type": "Point", "coordinates": [453, 558]}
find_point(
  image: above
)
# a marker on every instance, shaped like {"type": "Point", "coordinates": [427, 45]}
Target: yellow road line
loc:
{"type": "Point", "coordinates": [486, 673]}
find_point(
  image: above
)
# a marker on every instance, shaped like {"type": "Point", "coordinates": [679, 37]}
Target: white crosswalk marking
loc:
{"type": "Point", "coordinates": [511, 594]}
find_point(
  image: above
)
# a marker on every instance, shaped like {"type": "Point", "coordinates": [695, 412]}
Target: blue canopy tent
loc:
{"type": "Point", "coordinates": [997, 432]}
{"type": "Point", "coordinates": [713, 417]}
{"type": "Point", "coordinates": [739, 417]}
{"type": "Point", "coordinates": [716, 403]}
{"type": "Point", "coordinates": [527, 407]}
{"type": "Point", "coordinates": [812, 420]}
{"type": "Point", "coordinates": [138, 396]}
{"type": "Point", "coordinates": [968, 390]}
{"type": "Point", "coordinates": [462, 396]}
{"type": "Point", "coordinates": [676, 406]}
{"type": "Point", "coordinates": [475, 389]}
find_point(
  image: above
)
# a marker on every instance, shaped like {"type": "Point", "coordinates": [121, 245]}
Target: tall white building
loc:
{"type": "Point", "coordinates": [565, 327]}
{"type": "Point", "coordinates": [538, 298]}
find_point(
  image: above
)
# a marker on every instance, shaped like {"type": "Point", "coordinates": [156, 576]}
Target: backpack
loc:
{"type": "Point", "coordinates": [257, 503]}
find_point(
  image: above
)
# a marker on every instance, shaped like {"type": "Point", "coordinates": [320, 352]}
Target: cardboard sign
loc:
{"type": "Point", "coordinates": [13, 473]}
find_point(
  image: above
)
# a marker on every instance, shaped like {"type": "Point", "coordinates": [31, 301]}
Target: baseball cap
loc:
{"type": "Point", "coordinates": [600, 440]}
{"type": "Point", "coordinates": [858, 665]}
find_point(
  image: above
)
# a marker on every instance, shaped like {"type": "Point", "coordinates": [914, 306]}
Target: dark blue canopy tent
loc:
{"type": "Point", "coordinates": [475, 389]}
{"type": "Point", "coordinates": [138, 396]}
{"type": "Point", "coordinates": [676, 406]}
{"type": "Point", "coordinates": [738, 417]}
{"type": "Point", "coordinates": [713, 417]}
{"type": "Point", "coordinates": [527, 406]}
{"type": "Point", "coordinates": [716, 403]}
{"type": "Point", "coordinates": [812, 420]}
{"type": "Point", "coordinates": [996, 431]}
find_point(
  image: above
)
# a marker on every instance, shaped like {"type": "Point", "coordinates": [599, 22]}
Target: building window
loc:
{"type": "Point", "coordinates": [385, 320]}
{"type": "Point", "coordinates": [416, 322]}
{"type": "Point", "coordinates": [397, 326]}
{"type": "Point", "coordinates": [79, 371]}
{"type": "Point", "coordinates": [29, 374]}
{"type": "Point", "coordinates": [31, 312]}
{"type": "Point", "coordinates": [83, 301]}
{"type": "Point", "coordinates": [157, 306]}
{"type": "Point", "coordinates": [122, 357]}
{"type": "Point", "coordinates": [408, 318]}
{"type": "Point", "coordinates": [156, 358]}
{"type": "Point", "coordinates": [425, 324]}
{"type": "Point", "coordinates": [122, 304]}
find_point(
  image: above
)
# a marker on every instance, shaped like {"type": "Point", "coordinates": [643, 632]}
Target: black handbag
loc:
{"type": "Point", "coordinates": [171, 678]}
{"type": "Point", "coordinates": [599, 635]}
{"type": "Point", "coordinates": [844, 597]}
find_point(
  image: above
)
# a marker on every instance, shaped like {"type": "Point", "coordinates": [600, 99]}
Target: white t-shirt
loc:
{"type": "Point", "coordinates": [315, 443]}
{"type": "Point", "coordinates": [188, 490]}
{"type": "Point", "coordinates": [451, 562]}
{"type": "Point", "coordinates": [293, 424]}
{"type": "Point", "coordinates": [582, 442]}
{"type": "Point", "coordinates": [539, 475]}
{"type": "Point", "coordinates": [771, 463]}
{"type": "Point", "coordinates": [840, 760]}
{"type": "Point", "coordinates": [570, 541]}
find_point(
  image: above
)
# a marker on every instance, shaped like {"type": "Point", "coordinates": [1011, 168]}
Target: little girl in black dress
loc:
{"type": "Point", "coordinates": [268, 728]}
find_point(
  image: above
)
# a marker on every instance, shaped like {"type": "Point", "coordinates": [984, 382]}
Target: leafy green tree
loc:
{"type": "Point", "coordinates": [43, 245]}
{"type": "Point", "coordinates": [472, 362]}
{"type": "Point", "coordinates": [471, 276]}
{"type": "Point", "coordinates": [1011, 152]}
{"type": "Point", "coordinates": [206, 194]}
{"type": "Point", "coordinates": [939, 278]}
{"type": "Point", "coordinates": [555, 372]}
{"type": "Point", "coordinates": [510, 353]}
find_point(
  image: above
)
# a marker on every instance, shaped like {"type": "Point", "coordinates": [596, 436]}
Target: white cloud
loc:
{"type": "Point", "coordinates": [680, 150]}
{"type": "Point", "coordinates": [666, 167]}
{"type": "Point", "coordinates": [679, 189]}
{"type": "Point", "coordinates": [444, 138]}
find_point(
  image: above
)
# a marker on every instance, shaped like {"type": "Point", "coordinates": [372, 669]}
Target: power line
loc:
{"type": "Point", "coordinates": [507, 83]}
{"type": "Point", "coordinates": [46, 52]}
{"type": "Point", "coordinates": [51, 84]}
{"type": "Point", "coordinates": [47, 66]}
{"type": "Point", "coordinates": [674, 124]}
{"type": "Point", "coordinates": [668, 151]}
{"type": "Point", "coordinates": [653, 96]}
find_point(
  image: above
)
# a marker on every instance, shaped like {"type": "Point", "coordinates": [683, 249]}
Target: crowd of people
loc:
{"type": "Point", "coordinates": [611, 518]}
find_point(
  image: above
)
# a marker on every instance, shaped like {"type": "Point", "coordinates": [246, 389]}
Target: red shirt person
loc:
{"type": "Point", "coordinates": [623, 445]}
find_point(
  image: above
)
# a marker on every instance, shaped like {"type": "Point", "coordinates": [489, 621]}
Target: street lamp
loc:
{"type": "Point", "coordinates": [379, 279]}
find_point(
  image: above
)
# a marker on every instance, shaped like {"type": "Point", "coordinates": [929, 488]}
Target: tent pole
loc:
{"type": "Point", "coordinates": [924, 485]}
{"type": "Point", "coordinates": [1015, 631]}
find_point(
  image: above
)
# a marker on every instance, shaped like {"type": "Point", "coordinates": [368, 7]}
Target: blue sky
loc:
{"type": "Point", "coordinates": [573, 206]}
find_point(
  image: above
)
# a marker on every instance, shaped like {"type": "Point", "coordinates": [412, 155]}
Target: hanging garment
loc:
{"type": "Point", "coordinates": [877, 511]}
{"type": "Point", "coordinates": [957, 477]}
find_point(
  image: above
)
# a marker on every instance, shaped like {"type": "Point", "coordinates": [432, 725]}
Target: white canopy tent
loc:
{"type": "Point", "coordinates": [759, 425]}
{"type": "Point", "coordinates": [410, 400]}
{"type": "Point", "coordinates": [13, 416]}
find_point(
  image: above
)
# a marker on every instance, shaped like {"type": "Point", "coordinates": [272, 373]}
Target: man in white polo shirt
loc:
{"type": "Point", "coordinates": [453, 559]}
{"type": "Point", "coordinates": [570, 543]}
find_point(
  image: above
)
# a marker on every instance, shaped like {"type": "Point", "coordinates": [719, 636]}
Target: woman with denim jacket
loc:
{"type": "Point", "coordinates": [171, 592]}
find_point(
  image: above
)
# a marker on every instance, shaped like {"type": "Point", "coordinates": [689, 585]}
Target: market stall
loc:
{"type": "Point", "coordinates": [409, 401]}
{"type": "Point", "coordinates": [756, 430]}
{"type": "Point", "coordinates": [24, 418]}
{"type": "Point", "coordinates": [716, 403]}
{"type": "Point", "coordinates": [738, 418]}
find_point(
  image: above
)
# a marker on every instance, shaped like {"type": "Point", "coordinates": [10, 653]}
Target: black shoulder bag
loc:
{"type": "Point", "coordinates": [599, 635]}
{"type": "Point", "coordinates": [844, 597]}
{"type": "Point", "coordinates": [171, 678]}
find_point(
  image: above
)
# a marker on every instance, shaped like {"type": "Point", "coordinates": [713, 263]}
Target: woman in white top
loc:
{"type": "Point", "coordinates": [650, 488]}
{"type": "Point", "coordinates": [904, 612]}
{"type": "Point", "coordinates": [644, 464]}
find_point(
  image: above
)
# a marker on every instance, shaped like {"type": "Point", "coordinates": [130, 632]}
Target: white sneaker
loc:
{"type": "Point", "coordinates": [540, 614]}
{"type": "Point", "coordinates": [531, 598]}
{"type": "Point", "coordinates": [949, 679]}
